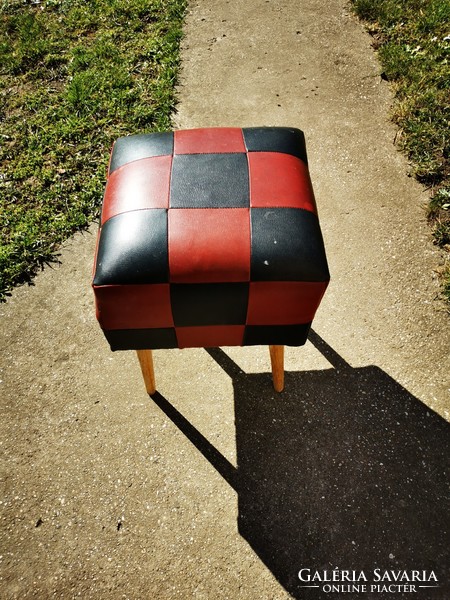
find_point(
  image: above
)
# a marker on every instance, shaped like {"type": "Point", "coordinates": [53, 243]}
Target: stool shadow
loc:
{"type": "Point", "coordinates": [345, 469]}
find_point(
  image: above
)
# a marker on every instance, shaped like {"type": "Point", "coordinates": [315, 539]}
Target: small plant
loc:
{"type": "Point", "coordinates": [439, 215]}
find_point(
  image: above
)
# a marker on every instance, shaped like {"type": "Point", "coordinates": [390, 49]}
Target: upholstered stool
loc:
{"type": "Point", "coordinates": [209, 237]}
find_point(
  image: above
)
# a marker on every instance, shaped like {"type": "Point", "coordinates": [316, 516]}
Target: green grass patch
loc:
{"type": "Point", "coordinates": [74, 76]}
{"type": "Point", "coordinates": [413, 42]}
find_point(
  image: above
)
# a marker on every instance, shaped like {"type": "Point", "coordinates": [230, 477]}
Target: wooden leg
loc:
{"type": "Point", "coordinates": [146, 361]}
{"type": "Point", "coordinates": [277, 360]}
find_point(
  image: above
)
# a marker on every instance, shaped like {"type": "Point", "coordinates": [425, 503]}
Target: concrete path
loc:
{"type": "Point", "coordinates": [219, 488]}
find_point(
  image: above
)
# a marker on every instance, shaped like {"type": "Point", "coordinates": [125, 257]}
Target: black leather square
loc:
{"type": "Point", "coordinates": [135, 147]}
{"type": "Point", "coordinates": [133, 249]}
{"type": "Point", "coordinates": [141, 339]}
{"type": "Point", "coordinates": [200, 304]}
{"type": "Point", "coordinates": [281, 335]}
{"type": "Point", "coordinates": [287, 245]}
{"type": "Point", "coordinates": [209, 181]}
{"type": "Point", "coordinates": [276, 139]}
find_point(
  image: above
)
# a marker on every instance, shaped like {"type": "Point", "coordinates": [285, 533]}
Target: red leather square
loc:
{"type": "Point", "coordinates": [279, 180]}
{"type": "Point", "coordinates": [210, 336]}
{"type": "Point", "coordinates": [209, 141]}
{"type": "Point", "coordinates": [138, 185]}
{"type": "Point", "coordinates": [134, 306]}
{"type": "Point", "coordinates": [283, 302]}
{"type": "Point", "coordinates": [210, 245]}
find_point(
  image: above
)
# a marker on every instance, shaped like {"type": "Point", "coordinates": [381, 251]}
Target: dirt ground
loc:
{"type": "Point", "coordinates": [219, 488]}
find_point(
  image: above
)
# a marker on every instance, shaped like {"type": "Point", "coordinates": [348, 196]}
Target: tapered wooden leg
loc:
{"type": "Point", "coordinates": [277, 360]}
{"type": "Point", "coordinates": [146, 361]}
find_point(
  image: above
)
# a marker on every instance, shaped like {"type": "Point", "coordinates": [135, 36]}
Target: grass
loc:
{"type": "Point", "coordinates": [413, 43]}
{"type": "Point", "coordinates": [74, 75]}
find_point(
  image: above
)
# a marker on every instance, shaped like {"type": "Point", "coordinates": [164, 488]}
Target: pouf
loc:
{"type": "Point", "coordinates": [209, 237]}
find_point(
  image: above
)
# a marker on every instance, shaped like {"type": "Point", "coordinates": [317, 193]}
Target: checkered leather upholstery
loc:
{"type": "Point", "coordinates": [209, 237]}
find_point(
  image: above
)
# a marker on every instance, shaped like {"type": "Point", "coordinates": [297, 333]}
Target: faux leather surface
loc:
{"type": "Point", "coordinates": [281, 335]}
{"type": "Point", "coordinates": [142, 184]}
{"type": "Point", "coordinates": [279, 180]}
{"type": "Point", "coordinates": [287, 245]}
{"type": "Point", "coordinates": [287, 140]}
{"type": "Point", "coordinates": [210, 336]}
{"type": "Point", "coordinates": [133, 249]}
{"type": "Point", "coordinates": [213, 140]}
{"type": "Point", "coordinates": [134, 147]}
{"type": "Point", "coordinates": [141, 339]}
{"type": "Point", "coordinates": [209, 181]}
{"type": "Point", "coordinates": [220, 254]}
{"type": "Point", "coordinates": [209, 237]}
{"type": "Point", "coordinates": [134, 306]}
{"type": "Point", "coordinates": [209, 303]}
{"type": "Point", "coordinates": [281, 302]}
